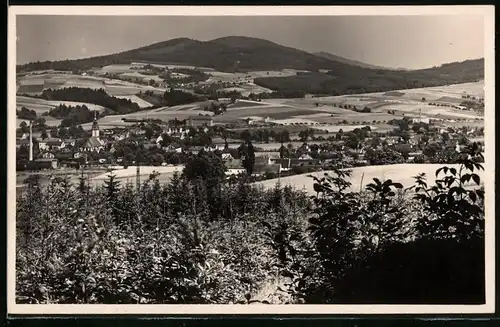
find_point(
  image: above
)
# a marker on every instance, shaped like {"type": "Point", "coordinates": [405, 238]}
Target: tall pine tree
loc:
{"type": "Point", "coordinates": [249, 160]}
{"type": "Point", "coordinates": [112, 187]}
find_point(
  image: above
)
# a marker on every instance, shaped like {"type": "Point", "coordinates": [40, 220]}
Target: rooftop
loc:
{"type": "Point", "coordinates": [233, 164]}
{"type": "Point", "coordinates": [93, 142]}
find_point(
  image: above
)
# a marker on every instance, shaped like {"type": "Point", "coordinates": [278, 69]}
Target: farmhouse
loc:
{"type": "Point", "coordinates": [227, 156]}
{"type": "Point", "coordinates": [425, 120]}
{"type": "Point", "coordinates": [234, 167]}
{"type": "Point", "coordinates": [262, 159]}
{"type": "Point", "coordinates": [48, 155]}
{"type": "Point", "coordinates": [285, 163]}
{"type": "Point", "coordinates": [197, 121]}
{"type": "Point", "coordinates": [298, 162]}
{"type": "Point", "coordinates": [173, 148]}
{"type": "Point", "coordinates": [93, 144]}
{"type": "Point", "coordinates": [214, 147]}
{"type": "Point", "coordinates": [260, 169]}
{"type": "Point", "coordinates": [68, 143]}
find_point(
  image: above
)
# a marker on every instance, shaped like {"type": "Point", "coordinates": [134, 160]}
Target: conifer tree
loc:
{"type": "Point", "coordinates": [249, 160]}
{"type": "Point", "coordinates": [112, 188]}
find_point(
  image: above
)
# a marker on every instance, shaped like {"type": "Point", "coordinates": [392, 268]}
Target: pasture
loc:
{"type": "Point", "coordinates": [361, 176]}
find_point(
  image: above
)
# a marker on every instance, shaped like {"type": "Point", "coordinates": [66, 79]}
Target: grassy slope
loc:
{"type": "Point", "coordinates": [402, 173]}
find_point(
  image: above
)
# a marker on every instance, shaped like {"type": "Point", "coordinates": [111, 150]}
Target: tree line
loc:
{"type": "Point", "coordinates": [98, 97]}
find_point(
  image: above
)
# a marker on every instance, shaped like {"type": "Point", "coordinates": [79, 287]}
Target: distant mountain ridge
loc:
{"type": "Point", "coordinates": [232, 53]}
{"type": "Point", "coordinates": [329, 74]}
{"type": "Point", "coordinates": [226, 54]}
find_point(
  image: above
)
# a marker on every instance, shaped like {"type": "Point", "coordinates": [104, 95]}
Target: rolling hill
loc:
{"type": "Point", "coordinates": [243, 54]}
{"type": "Point", "coordinates": [227, 54]}
{"type": "Point", "coordinates": [354, 80]}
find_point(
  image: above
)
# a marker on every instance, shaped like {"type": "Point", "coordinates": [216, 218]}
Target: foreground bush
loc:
{"type": "Point", "coordinates": [419, 272]}
{"type": "Point", "coordinates": [198, 239]}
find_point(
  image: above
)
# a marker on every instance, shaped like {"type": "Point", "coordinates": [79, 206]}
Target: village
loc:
{"type": "Point", "coordinates": [277, 151]}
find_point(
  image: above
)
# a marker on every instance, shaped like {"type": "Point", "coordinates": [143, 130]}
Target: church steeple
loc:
{"type": "Point", "coordinates": [95, 126]}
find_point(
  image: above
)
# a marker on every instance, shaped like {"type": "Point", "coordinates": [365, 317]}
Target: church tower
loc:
{"type": "Point", "coordinates": [95, 126]}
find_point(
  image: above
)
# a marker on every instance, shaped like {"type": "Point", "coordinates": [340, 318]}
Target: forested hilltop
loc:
{"type": "Point", "coordinates": [357, 80]}
{"type": "Point", "coordinates": [243, 54]}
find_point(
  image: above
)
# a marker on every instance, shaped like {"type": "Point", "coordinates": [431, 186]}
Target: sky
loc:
{"type": "Point", "coordinates": [410, 42]}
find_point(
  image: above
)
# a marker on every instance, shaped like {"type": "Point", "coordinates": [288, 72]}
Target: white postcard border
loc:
{"type": "Point", "coordinates": [43, 309]}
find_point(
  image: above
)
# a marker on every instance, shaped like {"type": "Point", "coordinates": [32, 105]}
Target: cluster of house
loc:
{"type": "Point", "coordinates": [51, 149]}
{"type": "Point", "coordinates": [101, 140]}
{"type": "Point", "coordinates": [269, 162]}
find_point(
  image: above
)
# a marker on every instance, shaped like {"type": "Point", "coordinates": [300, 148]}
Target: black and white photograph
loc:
{"type": "Point", "coordinates": [323, 160]}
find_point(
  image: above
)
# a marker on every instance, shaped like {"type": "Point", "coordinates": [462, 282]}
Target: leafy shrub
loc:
{"type": "Point", "coordinates": [190, 241]}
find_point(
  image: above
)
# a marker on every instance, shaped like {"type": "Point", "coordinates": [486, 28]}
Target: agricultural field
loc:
{"type": "Point", "coordinates": [244, 104]}
{"type": "Point", "coordinates": [323, 111]}
{"type": "Point", "coordinates": [273, 112]}
{"type": "Point", "coordinates": [246, 88]}
{"type": "Point", "coordinates": [136, 74]}
{"type": "Point", "coordinates": [55, 81]}
{"type": "Point", "coordinates": [248, 77]}
{"type": "Point", "coordinates": [115, 69]}
{"type": "Point", "coordinates": [361, 176]}
{"type": "Point", "coordinates": [49, 121]}
{"type": "Point", "coordinates": [41, 106]}
{"type": "Point", "coordinates": [35, 84]}
{"type": "Point", "coordinates": [134, 98]}
{"type": "Point", "coordinates": [121, 89]}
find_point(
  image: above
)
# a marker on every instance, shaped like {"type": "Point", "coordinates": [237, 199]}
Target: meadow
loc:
{"type": "Point", "coordinates": [361, 176]}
